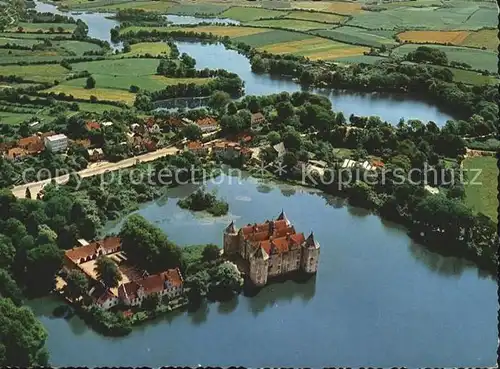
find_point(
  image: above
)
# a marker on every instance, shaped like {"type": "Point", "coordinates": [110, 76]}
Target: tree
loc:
{"type": "Point", "coordinates": [289, 160]}
{"type": "Point", "coordinates": [107, 272]}
{"type": "Point", "coordinates": [9, 288]}
{"type": "Point", "coordinates": [218, 101]}
{"type": "Point", "coordinates": [192, 132]}
{"type": "Point", "coordinates": [90, 82]}
{"type": "Point", "coordinates": [273, 137]}
{"type": "Point", "coordinates": [226, 281]}
{"type": "Point", "coordinates": [42, 264]}
{"type": "Point", "coordinates": [197, 287]}
{"type": "Point", "coordinates": [150, 302]}
{"type": "Point", "coordinates": [253, 104]}
{"type": "Point", "coordinates": [22, 337]}
{"type": "Point", "coordinates": [7, 252]}
{"type": "Point", "coordinates": [232, 108]}
{"type": "Point", "coordinates": [77, 284]}
{"type": "Point", "coordinates": [292, 140]}
{"type": "Point", "coordinates": [211, 252]}
{"type": "Point", "coordinates": [27, 194]}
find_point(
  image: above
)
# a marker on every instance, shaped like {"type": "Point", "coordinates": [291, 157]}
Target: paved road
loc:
{"type": "Point", "coordinates": [94, 170]}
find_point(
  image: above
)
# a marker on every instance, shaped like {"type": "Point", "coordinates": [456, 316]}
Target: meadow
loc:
{"type": "Point", "coordinates": [487, 38]}
{"type": "Point", "coordinates": [76, 47]}
{"type": "Point", "coordinates": [100, 93]}
{"type": "Point", "coordinates": [482, 197]}
{"type": "Point", "coordinates": [359, 36]}
{"type": "Point", "coordinates": [291, 24]}
{"type": "Point", "coordinates": [45, 27]}
{"type": "Point", "coordinates": [338, 7]}
{"type": "Point", "coordinates": [316, 16]}
{"type": "Point", "coordinates": [215, 30]}
{"type": "Point", "coordinates": [119, 67]}
{"type": "Point", "coordinates": [151, 6]}
{"type": "Point", "coordinates": [245, 14]}
{"type": "Point", "coordinates": [271, 37]}
{"type": "Point", "coordinates": [197, 9]}
{"type": "Point", "coordinates": [315, 48]}
{"type": "Point", "coordinates": [152, 48]}
{"type": "Point", "coordinates": [38, 73]}
{"type": "Point", "coordinates": [439, 37]}
{"type": "Point", "coordinates": [478, 59]}
{"type": "Point", "coordinates": [4, 40]}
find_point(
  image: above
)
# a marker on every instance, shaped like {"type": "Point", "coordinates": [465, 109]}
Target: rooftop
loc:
{"type": "Point", "coordinates": [57, 137]}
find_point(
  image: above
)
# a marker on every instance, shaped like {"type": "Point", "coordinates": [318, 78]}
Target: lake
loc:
{"type": "Point", "coordinates": [378, 299]}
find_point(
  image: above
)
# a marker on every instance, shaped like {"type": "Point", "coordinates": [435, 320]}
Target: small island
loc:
{"type": "Point", "coordinates": [202, 200]}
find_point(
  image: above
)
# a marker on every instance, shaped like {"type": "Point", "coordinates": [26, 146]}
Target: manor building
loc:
{"type": "Point", "coordinates": [272, 249]}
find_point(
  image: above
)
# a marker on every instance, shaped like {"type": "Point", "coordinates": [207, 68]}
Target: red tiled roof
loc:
{"type": "Point", "coordinates": [16, 152]}
{"type": "Point", "coordinates": [377, 163]}
{"type": "Point", "coordinates": [32, 144]}
{"type": "Point", "coordinates": [151, 284]}
{"type": "Point", "coordinates": [264, 227]}
{"type": "Point", "coordinates": [208, 121]}
{"type": "Point", "coordinates": [93, 125]}
{"type": "Point", "coordinates": [78, 253]}
{"type": "Point", "coordinates": [194, 145]}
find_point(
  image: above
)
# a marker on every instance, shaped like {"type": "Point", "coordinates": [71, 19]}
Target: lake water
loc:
{"type": "Point", "coordinates": [389, 107]}
{"type": "Point", "coordinates": [378, 299]}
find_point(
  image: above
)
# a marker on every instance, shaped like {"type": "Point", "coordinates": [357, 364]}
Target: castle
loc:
{"type": "Point", "coordinates": [272, 249]}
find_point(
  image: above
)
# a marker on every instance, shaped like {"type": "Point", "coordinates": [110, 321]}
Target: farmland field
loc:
{"type": "Point", "coordinates": [292, 24]}
{"type": "Point", "coordinates": [152, 6]}
{"type": "Point", "coordinates": [97, 107]}
{"type": "Point", "coordinates": [153, 48]}
{"type": "Point", "coordinates": [440, 37]}
{"type": "Point", "coordinates": [13, 118]}
{"type": "Point", "coordinates": [32, 36]}
{"type": "Point", "coordinates": [45, 27]}
{"type": "Point", "coordinates": [197, 9]}
{"type": "Point", "coordinates": [18, 41]}
{"type": "Point", "coordinates": [464, 18]}
{"type": "Point", "coordinates": [215, 30]}
{"type": "Point", "coordinates": [145, 82]}
{"type": "Point", "coordinates": [358, 36]}
{"type": "Point", "coordinates": [482, 197]}
{"type": "Point", "coordinates": [39, 72]}
{"type": "Point", "coordinates": [316, 16]}
{"type": "Point", "coordinates": [367, 59]}
{"type": "Point", "coordinates": [247, 14]}
{"type": "Point", "coordinates": [76, 47]}
{"type": "Point", "coordinates": [100, 93]}
{"type": "Point", "coordinates": [478, 59]}
{"type": "Point", "coordinates": [272, 37]}
{"type": "Point", "coordinates": [338, 7]}
{"type": "Point", "coordinates": [119, 67]}
{"type": "Point", "coordinates": [484, 38]}
{"type": "Point", "coordinates": [315, 48]}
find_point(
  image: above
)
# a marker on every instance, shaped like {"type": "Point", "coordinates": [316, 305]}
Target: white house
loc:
{"type": "Point", "coordinates": [56, 143]}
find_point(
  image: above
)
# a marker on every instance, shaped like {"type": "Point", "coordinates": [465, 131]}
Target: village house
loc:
{"type": "Point", "coordinates": [168, 283]}
{"type": "Point", "coordinates": [26, 146]}
{"type": "Point", "coordinates": [272, 249]}
{"type": "Point", "coordinates": [92, 126]}
{"type": "Point", "coordinates": [56, 143]}
{"type": "Point", "coordinates": [257, 119]}
{"type": "Point", "coordinates": [91, 251]}
{"type": "Point", "coordinates": [152, 126]}
{"type": "Point", "coordinates": [197, 148]}
{"type": "Point", "coordinates": [207, 124]}
{"type": "Point", "coordinates": [95, 154]}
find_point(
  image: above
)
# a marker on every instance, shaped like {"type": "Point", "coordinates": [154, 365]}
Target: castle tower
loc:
{"type": "Point", "coordinates": [231, 240]}
{"type": "Point", "coordinates": [282, 216]}
{"type": "Point", "coordinates": [310, 255]}
{"type": "Point", "coordinates": [258, 266]}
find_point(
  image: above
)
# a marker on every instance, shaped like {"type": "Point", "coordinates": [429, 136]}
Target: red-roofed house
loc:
{"type": "Point", "coordinates": [92, 251]}
{"type": "Point", "coordinates": [197, 147]}
{"type": "Point", "coordinates": [207, 124]}
{"type": "Point", "coordinates": [92, 126]}
{"type": "Point", "coordinates": [168, 283]}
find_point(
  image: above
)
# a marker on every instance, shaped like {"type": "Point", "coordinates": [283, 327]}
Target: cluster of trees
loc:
{"type": "Point", "coordinates": [426, 54]}
{"type": "Point", "coordinates": [201, 200]}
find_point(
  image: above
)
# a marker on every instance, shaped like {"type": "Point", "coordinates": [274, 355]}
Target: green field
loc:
{"type": "Point", "coordinates": [484, 38]}
{"type": "Point", "coordinates": [119, 67]}
{"type": "Point", "coordinates": [14, 118]}
{"type": "Point", "coordinates": [32, 36]}
{"type": "Point", "coordinates": [18, 41]}
{"type": "Point", "coordinates": [76, 47]}
{"type": "Point", "coordinates": [472, 78]}
{"type": "Point", "coordinates": [245, 14]}
{"type": "Point", "coordinates": [151, 6]}
{"type": "Point", "coordinates": [100, 93]}
{"type": "Point", "coordinates": [292, 24]}
{"type": "Point", "coordinates": [197, 9]}
{"type": "Point", "coordinates": [359, 36]}
{"type": "Point", "coordinates": [272, 37]}
{"type": "Point", "coordinates": [45, 27]}
{"type": "Point", "coordinates": [461, 18]}
{"type": "Point", "coordinates": [482, 197]}
{"type": "Point", "coordinates": [145, 82]}
{"type": "Point", "coordinates": [316, 16]}
{"type": "Point", "coordinates": [97, 108]}
{"type": "Point", "coordinates": [478, 59]}
{"type": "Point", "coordinates": [38, 73]}
{"type": "Point", "coordinates": [153, 48]}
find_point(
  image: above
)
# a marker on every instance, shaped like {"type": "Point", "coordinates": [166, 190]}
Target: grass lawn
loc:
{"type": "Point", "coordinates": [97, 108]}
{"type": "Point", "coordinates": [478, 59]}
{"type": "Point", "coordinates": [119, 67]}
{"type": "Point", "coordinates": [482, 197]}
{"type": "Point", "coordinates": [100, 93]}
{"type": "Point", "coordinates": [38, 72]}
{"type": "Point", "coordinates": [244, 14]}
{"type": "Point", "coordinates": [292, 24]}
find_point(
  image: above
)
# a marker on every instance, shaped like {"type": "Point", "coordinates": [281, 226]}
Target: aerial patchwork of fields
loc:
{"type": "Point", "coordinates": [346, 32]}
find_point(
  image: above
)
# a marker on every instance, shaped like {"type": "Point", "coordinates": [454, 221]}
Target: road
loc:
{"type": "Point", "coordinates": [94, 170]}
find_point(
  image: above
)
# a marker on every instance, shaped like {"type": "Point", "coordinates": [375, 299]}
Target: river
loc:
{"type": "Point", "coordinates": [378, 299]}
{"type": "Point", "coordinates": [388, 107]}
